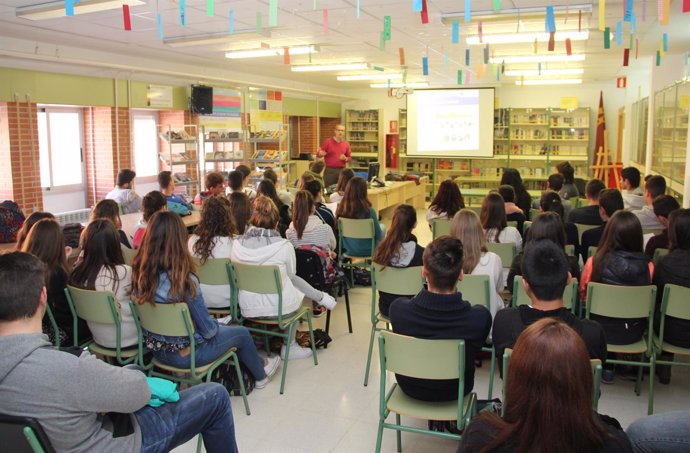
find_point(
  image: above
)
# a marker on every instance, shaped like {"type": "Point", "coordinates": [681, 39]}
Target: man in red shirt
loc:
{"type": "Point", "coordinates": [336, 154]}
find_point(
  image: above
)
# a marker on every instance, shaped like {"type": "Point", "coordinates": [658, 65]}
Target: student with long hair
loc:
{"type": "Point", "coordinates": [284, 195]}
{"type": "Point", "coordinates": [446, 203]}
{"type": "Point", "coordinates": [547, 226]}
{"type": "Point", "coordinates": [523, 199]}
{"type": "Point", "coordinates": [163, 273]}
{"type": "Point", "coordinates": [493, 219]}
{"type": "Point", "coordinates": [101, 267]}
{"type": "Point", "coordinates": [356, 205]}
{"type": "Point", "coordinates": [45, 241]}
{"type": "Point", "coordinates": [306, 228]}
{"type": "Point", "coordinates": [109, 209]}
{"type": "Point", "coordinates": [399, 249]}
{"type": "Point", "coordinates": [213, 238]}
{"type": "Point", "coordinates": [322, 211]}
{"type": "Point", "coordinates": [268, 190]}
{"type": "Point", "coordinates": [569, 190]}
{"type": "Point", "coordinates": [153, 202]}
{"type": "Point", "coordinates": [550, 201]}
{"type": "Point", "coordinates": [261, 244]}
{"type": "Point", "coordinates": [477, 259]}
{"type": "Point", "coordinates": [513, 211]}
{"type": "Point", "coordinates": [240, 210]}
{"type": "Point", "coordinates": [345, 176]}
{"type": "Point", "coordinates": [30, 222]}
{"type": "Point", "coordinates": [548, 405]}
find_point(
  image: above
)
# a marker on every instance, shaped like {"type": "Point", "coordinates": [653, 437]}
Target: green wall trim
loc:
{"type": "Point", "coordinates": [308, 107]}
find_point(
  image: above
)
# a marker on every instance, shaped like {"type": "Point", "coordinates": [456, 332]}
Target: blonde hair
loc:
{"type": "Point", "coordinates": [265, 213]}
{"type": "Point", "coordinates": [467, 227]}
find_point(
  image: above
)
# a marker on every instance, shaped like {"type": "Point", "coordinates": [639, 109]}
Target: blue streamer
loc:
{"type": "Point", "coordinates": [467, 57]}
{"type": "Point", "coordinates": [468, 11]}
{"type": "Point", "coordinates": [159, 20]}
{"type": "Point", "coordinates": [69, 8]}
{"type": "Point", "coordinates": [550, 20]}
{"type": "Point", "coordinates": [445, 58]}
{"type": "Point", "coordinates": [357, 9]}
{"type": "Point", "coordinates": [425, 66]}
{"type": "Point", "coordinates": [665, 42]}
{"type": "Point", "coordinates": [627, 17]}
{"type": "Point", "coordinates": [183, 10]}
{"type": "Point", "coordinates": [417, 6]}
{"type": "Point", "coordinates": [456, 32]}
{"type": "Point", "coordinates": [633, 22]}
{"type": "Point", "coordinates": [231, 21]}
{"type": "Point", "coordinates": [619, 33]}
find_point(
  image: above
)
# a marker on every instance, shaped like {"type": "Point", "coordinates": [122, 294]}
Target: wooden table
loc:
{"type": "Point", "coordinates": [130, 221]}
{"type": "Point", "coordinates": [385, 199]}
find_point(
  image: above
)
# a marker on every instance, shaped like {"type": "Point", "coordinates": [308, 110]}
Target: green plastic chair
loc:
{"type": "Point", "coordinates": [425, 359]}
{"type": "Point", "coordinates": [675, 302]}
{"type": "Point", "coordinates": [101, 307]}
{"type": "Point", "coordinates": [394, 280]}
{"type": "Point", "coordinates": [525, 226]}
{"type": "Point", "coordinates": [476, 289]}
{"type": "Point", "coordinates": [570, 249]}
{"type": "Point", "coordinates": [591, 251]}
{"type": "Point", "coordinates": [440, 227]}
{"type": "Point", "coordinates": [174, 320]}
{"type": "Point", "coordinates": [626, 302]}
{"type": "Point", "coordinates": [512, 223]}
{"type": "Point", "coordinates": [53, 323]}
{"type": "Point", "coordinates": [596, 375]}
{"type": "Point", "coordinates": [581, 228]}
{"type": "Point", "coordinates": [215, 271]}
{"type": "Point", "coordinates": [520, 295]}
{"type": "Point", "coordinates": [355, 229]}
{"type": "Point", "coordinates": [266, 280]}
{"type": "Point", "coordinates": [658, 253]}
{"type": "Point", "coordinates": [505, 250]}
{"type": "Point", "coordinates": [128, 254]}
{"type": "Point", "coordinates": [23, 435]}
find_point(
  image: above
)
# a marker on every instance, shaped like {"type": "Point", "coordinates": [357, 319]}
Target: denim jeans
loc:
{"type": "Point", "coordinates": [204, 408]}
{"type": "Point", "coordinates": [661, 433]}
{"type": "Point", "coordinates": [209, 350]}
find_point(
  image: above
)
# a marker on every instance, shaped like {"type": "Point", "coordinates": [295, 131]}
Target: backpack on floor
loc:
{"type": "Point", "coordinates": [226, 375]}
{"type": "Point", "coordinates": [11, 220]}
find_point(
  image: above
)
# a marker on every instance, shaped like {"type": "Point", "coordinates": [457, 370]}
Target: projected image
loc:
{"type": "Point", "coordinates": [455, 120]}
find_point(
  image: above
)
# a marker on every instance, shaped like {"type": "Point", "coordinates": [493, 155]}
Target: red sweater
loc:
{"type": "Point", "coordinates": [333, 152]}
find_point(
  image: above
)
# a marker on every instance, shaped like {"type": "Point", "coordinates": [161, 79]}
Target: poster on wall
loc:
{"type": "Point", "coordinates": [227, 114]}
{"type": "Point", "coordinates": [266, 113]}
{"type": "Point", "coordinates": [159, 96]}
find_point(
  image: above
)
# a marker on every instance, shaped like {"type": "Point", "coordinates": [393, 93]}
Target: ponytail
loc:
{"type": "Point", "coordinates": [301, 210]}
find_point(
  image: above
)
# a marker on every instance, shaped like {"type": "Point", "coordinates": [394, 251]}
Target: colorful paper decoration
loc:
{"type": "Point", "coordinates": [552, 41]}
{"type": "Point", "coordinates": [404, 76]}
{"type": "Point", "coordinates": [417, 6]}
{"type": "Point", "coordinates": [539, 68]}
{"type": "Point", "coordinates": [607, 38]}
{"type": "Point", "coordinates": [486, 54]}
{"type": "Point", "coordinates": [272, 13]}
{"type": "Point", "coordinates": [467, 57]}
{"type": "Point", "coordinates": [259, 20]}
{"type": "Point", "coordinates": [382, 41]}
{"type": "Point", "coordinates": [666, 7]}
{"type": "Point", "coordinates": [425, 66]}
{"type": "Point", "coordinates": [459, 77]}
{"type": "Point", "coordinates": [579, 21]}
{"type": "Point", "coordinates": [637, 47]}
{"type": "Point", "coordinates": [535, 46]}
{"type": "Point", "coordinates": [619, 33]}
{"type": "Point", "coordinates": [401, 53]}
{"type": "Point", "coordinates": [325, 21]}
{"type": "Point", "coordinates": [686, 6]}
{"type": "Point", "coordinates": [480, 32]}
{"type": "Point", "coordinates": [550, 20]}
{"type": "Point", "coordinates": [286, 55]}
{"type": "Point", "coordinates": [568, 47]}
{"type": "Point", "coordinates": [183, 10]}
{"type": "Point", "coordinates": [387, 27]}
{"type": "Point", "coordinates": [425, 13]}
{"type": "Point", "coordinates": [455, 37]}
{"type": "Point", "coordinates": [127, 19]}
{"type": "Point", "coordinates": [665, 40]}
{"type": "Point", "coordinates": [231, 21]}
{"type": "Point", "coordinates": [445, 59]}
{"type": "Point", "coordinates": [621, 82]}
{"type": "Point", "coordinates": [503, 67]}
{"type": "Point", "coordinates": [644, 10]}
{"type": "Point", "coordinates": [633, 22]}
{"type": "Point", "coordinates": [313, 5]}
{"type": "Point", "coordinates": [210, 8]}
{"type": "Point", "coordinates": [357, 9]}
{"type": "Point", "coordinates": [69, 8]}
{"type": "Point", "coordinates": [378, 68]}
{"type": "Point", "coordinates": [497, 5]}
{"type": "Point", "coordinates": [468, 10]}
{"type": "Point", "coordinates": [602, 14]}
{"type": "Point", "coordinates": [498, 73]}
{"type": "Point", "coordinates": [626, 56]}
{"type": "Point", "coordinates": [658, 58]}
{"type": "Point", "coordinates": [467, 77]}
{"type": "Point", "coordinates": [159, 23]}
{"type": "Point", "coordinates": [627, 15]}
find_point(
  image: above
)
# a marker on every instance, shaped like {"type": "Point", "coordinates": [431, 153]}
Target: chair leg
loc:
{"type": "Point", "coordinates": [311, 337]}
{"type": "Point", "coordinates": [347, 307]}
{"type": "Point", "coordinates": [638, 382]}
{"type": "Point", "coordinates": [398, 433]}
{"type": "Point", "coordinates": [379, 435]}
{"type": "Point", "coordinates": [288, 341]}
{"type": "Point", "coordinates": [492, 369]}
{"type": "Point", "coordinates": [371, 347]}
{"type": "Point", "coordinates": [198, 444]}
{"type": "Point", "coordinates": [238, 371]}
{"type": "Point", "coordinates": [328, 322]}
{"type": "Point", "coordinates": [652, 371]}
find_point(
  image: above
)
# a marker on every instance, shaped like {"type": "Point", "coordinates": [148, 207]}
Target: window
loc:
{"type": "Point", "coordinates": [60, 146]}
{"type": "Point", "coordinates": [145, 142]}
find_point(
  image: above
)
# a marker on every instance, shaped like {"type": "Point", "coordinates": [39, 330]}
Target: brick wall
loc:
{"type": "Point", "coordinates": [327, 126]}
{"type": "Point", "coordinates": [304, 134]}
{"type": "Point", "coordinates": [6, 190]}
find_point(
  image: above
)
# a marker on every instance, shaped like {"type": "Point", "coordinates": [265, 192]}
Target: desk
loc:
{"type": "Point", "coordinates": [130, 221]}
{"type": "Point", "coordinates": [385, 199]}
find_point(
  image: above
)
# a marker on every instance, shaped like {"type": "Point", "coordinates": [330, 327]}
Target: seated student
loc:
{"type": "Point", "coordinates": [215, 185]}
{"type": "Point", "coordinates": [176, 202]}
{"type": "Point", "coordinates": [30, 221]}
{"type": "Point", "coordinates": [345, 176]}
{"type": "Point", "coordinates": [108, 209]}
{"type": "Point", "coordinates": [326, 215]}
{"type": "Point", "coordinates": [589, 215]}
{"type": "Point", "coordinates": [246, 172]}
{"type": "Point", "coordinates": [544, 276]}
{"type": "Point", "coordinates": [513, 212]}
{"type": "Point", "coordinates": [399, 248]}
{"type": "Point", "coordinates": [551, 202]}
{"type": "Point", "coordinates": [569, 190]}
{"type": "Point", "coordinates": [261, 244]}
{"type": "Point", "coordinates": [316, 169]}
{"type": "Point", "coordinates": [213, 238]}
{"type": "Point", "coordinates": [240, 210]}
{"type": "Point", "coordinates": [653, 187]}
{"type": "Point", "coordinates": [284, 195]}
{"type": "Point", "coordinates": [73, 398]}
{"type": "Point", "coordinates": [633, 194]}
{"type": "Point", "coordinates": [663, 206]}
{"type": "Point", "coordinates": [549, 370]}
{"type": "Point", "coordinates": [307, 229]}
{"type": "Point", "coordinates": [124, 193]}
{"type": "Point", "coordinates": [554, 184]}
{"type": "Point", "coordinates": [493, 219]}
{"type": "Point", "coordinates": [439, 313]}
{"type": "Point", "coordinates": [523, 199]}
{"type": "Point", "coordinates": [356, 205]}
{"type": "Point", "coordinates": [546, 226]}
{"type": "Point", "coordinates": [11, 220]}
{"type": "Point", "coordinates": [154, 201]}
{"type": "Point", "coordinates": [446, 203]}
{"type": "Point", "coordinates": [610, 201]}
{"type": "Point", "coordinates": [101, 267]}
{"type": "Point", "coordinates": [267, 189]}
{"type": "Point", "coordinates": [304, 179]}
{"type": "Point", "coordinates": [660, 433]}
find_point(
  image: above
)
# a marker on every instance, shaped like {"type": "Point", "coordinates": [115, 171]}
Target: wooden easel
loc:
{"type": "Point", "coordinates": [603, 168]}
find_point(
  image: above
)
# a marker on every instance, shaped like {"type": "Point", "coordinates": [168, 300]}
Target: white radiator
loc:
{"type": "Point", "coordinates": [78, 216]}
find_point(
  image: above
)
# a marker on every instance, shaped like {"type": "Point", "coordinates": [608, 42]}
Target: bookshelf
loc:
{"type": "Point", "coordinates": [364, 133]}
{"type": "Point", "coordinates": [181, 154]}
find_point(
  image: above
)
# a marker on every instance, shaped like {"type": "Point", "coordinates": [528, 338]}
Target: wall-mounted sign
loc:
{"type": "Point", "coordinates": [159, 96]}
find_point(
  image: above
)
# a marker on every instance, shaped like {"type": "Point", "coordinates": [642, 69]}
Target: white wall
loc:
{"type": "Point", "coordinates": [63, 202]}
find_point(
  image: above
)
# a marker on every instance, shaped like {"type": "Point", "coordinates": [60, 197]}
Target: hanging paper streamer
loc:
{"type": "Point", "coordinates": [535, 45]}
{"type": "Point", "coordinates": [486, 54]}
{"type": "Point", "coordinates": [552, 41]}
{"type": "Point", "coordinates": [425, 66]}
{"type": "Point", "coordinates": [459, 77]}
{"type": "Point", "coordinates": [633, 22]}
{"type": "Point", "coordinates": [404, 76]}
{"type": "Point", "coordinates": [382, 41]}
{"type": "Point", "coordinates": [568, 47]}
{"type": "Point", "coordinates": [539, 68]}
{"type": "Point", "coordinates": [626, 56]}
{"type": "Point", "coordinates": [286, 55]}
{"type": "Point", "coordinates": [313, 5]}
{"type": "Point", "coordinates": [467, 77]}
{"type": "Point", "coordinates": [389, 84]}
{"type": "Point", "coordinates": [468, 10]}
{"type": "Point", "coordinates": [357, 9]}
{"type": "Point", "coordinates": [231, 21]}
{"type": "Point", "coordinates": [69, 8]}
{"type": "Point", "coordinates": [424, 13]}
{"type": "Point", "coordinates": [522, 81]}
{"type": "Point", "coordinates": [579, 21]}
{"type": "Point", "coordinates": [417, 6]}
{"type": "Point", "coordinates": [159, 22]}
{"type": "Point", "coordinates": [619, 33]}
{"type": "Point", "coordinates": [498, 74]}
{"type": "Point", "coordinates": [401, 53]}
{"type": "Point", "coordinates": [503, 67]}
{"type": "Point", "coordinates": [445, 58]}
{"type": "Point", "coordinates": [210, 8]}
{"type": "Point", "coordinates": [607, 38]}
{"type": "Point", "coordinates": [325, 21]}
{"type": "Point", "coordinates": [497, 5]}
{"type": "Point", "coordinates": [665, 8]}
{"type": "Point", "coordinates": [467, 57]}
{"type": "Point", "coordinates": [637, 47]}
{"type": "Point", "coordinates": [272, 13]}
{"type": "Point", "coordinates": [480, 71]}
{"type": "Point", "coordinates": [627, 16]}
{"type": "Point", "coordinates": [378, 68]}
{"type": "Point", "coordinates": [456, 32]}
{"type": "Point", "coordinates": [661, 48]}
{"type": "Point", "coordinates": [259, 20]}
{"type": "Point", "coordinates": [658, 58]}
{"type": "Point", "coordinates": [686, 6]}
{"type": "Point", "coordinates": [518, 21]}
{"type": "Point", "coordinates": [183, 11]}
{"type": "Point", "coordinates": [630, 45]}
{"type": "Point", "coordinates": [665, 38]}
{"type": "Point", "coordinates": [387, 27]}
{"type": "Point", "coordinates": [479, 31]}
{"type": "Point", "coordinates": [128, 20]}
{"type": "Point", "coordinates": [602, 14]}
{"type": "Point", "coordinates": [550, 20]}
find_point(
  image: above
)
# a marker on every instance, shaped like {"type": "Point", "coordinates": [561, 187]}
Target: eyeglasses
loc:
{"type": "Point", "coordinates": [340, 130]}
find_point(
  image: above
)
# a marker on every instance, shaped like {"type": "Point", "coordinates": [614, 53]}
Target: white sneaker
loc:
{"type": "Point", "coordinates": [296, 352]}
{"type": "Point", "coordinates": [327, 301]}
{"type": "Point", "coordinates": [270, 369]}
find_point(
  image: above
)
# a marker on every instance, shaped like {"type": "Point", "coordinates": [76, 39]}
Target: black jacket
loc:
{"type": "Point", "coordinates": [673, 268]}
{"type": "Point", "coordinates": [586, 215]}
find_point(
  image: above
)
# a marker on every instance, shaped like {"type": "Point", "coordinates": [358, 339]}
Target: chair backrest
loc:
{"type": "Point", "coordinates": [591, 251]}
{"type": "Point", "coordinates": [525, 226]}
{"type": "Point", "coordinates": [395, 280]}
{"type": "Point", "coordinates": [171, 320]}
{"type": "Point", "coordinates": [440, 227]}
{"type": "Point", "coordinates": [23, 435]}
{"type": "Point", "coordinates": [128, 254]}
{"type": "Point", "coordinates": [512, 223]}
{"type": "Point", "coordinates": [310, 269]}
{"type": "Point", "coordinates": [421, 358]}
{"type": "Point", "coordinates": [570, 249]}
{"type": "Point", "coordinates": [674, 303]}
{"type": "Point", "coordinates": [520, 295]}
{"type": "Point", "coordinates": [356, 228]}
{"type": "Point", "coordinates": [476, 290]}
{"type": "Point", "coordinates": [581, 228]}
{"type": "Point", "coordinates": [505, 250]}
{"type": "Point", "coordinates": [213, 271]}
{"type": "Point", "coordinates": [94, 306]}
{"type": "Point", "coordinates": [257, 279]}
{"type": "Point", "coordinates": [615, 301]}
{"type": "Point", "coordinates": [658, 253]}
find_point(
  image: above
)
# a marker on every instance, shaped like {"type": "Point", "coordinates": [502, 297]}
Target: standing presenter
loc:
{"type": "Point", "coordinates": [336, 154]}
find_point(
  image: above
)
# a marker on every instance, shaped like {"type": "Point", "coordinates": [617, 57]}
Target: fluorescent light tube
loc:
{"type": "Point", "coordinates": [400, 85]}
{"type": "Point", "coordinates": [378, 76]}
{"type": "Point", "coordinates": [215, 38]}
{"type": "Point", "coordinates": [544, 72]}
{"type": "Point", "coordinates": [549, 82]}
{"type": "Point", "coordinates": [510, 38]}
{"type": "Point", "coordinates": [330, 67]}
{"type": "Point", "coordinates": [255, 53]}
{"type": "Point", "coordinates": [54, 10]}
{"type": "Point", "coordinates": [536, 58]}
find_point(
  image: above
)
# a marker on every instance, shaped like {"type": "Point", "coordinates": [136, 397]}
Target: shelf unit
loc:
{"type": "Point", "coordinates": [423, 166]}
{"type": "Point", "coordinates": [223, 150]}
{"type": "Point", "coordinates": [270, 152]}
{"type": "Point", "coordinates": [364, 133]}
{"type": "Point", "coordinates": [181, 150]}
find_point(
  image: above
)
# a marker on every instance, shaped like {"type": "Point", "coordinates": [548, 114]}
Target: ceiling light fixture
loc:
{"type": "Point", "coordinates": [505, 13]}
{"type": "Point", "coordinates": [513, 38]}
{"type": "Point", "coordinates": [544, 72]}
{"type": "Point", "coordinates": [272, 52]}
{"type": "Point", "coordinates": [549, 82]}
{"type": "Point", "coordinates": [330, 67]}
{"type": "Point", "coordinates": [54, 10]}
{"type": "Point", "coordinates": [205, 39]}
{"type": "Point", "coordinates": [400, 85]}
{"type": "Point", "coordinates": [536, 58]}
{"type": "Point", "coordinates": [378, 76]}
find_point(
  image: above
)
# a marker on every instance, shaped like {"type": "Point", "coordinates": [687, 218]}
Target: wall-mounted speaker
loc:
{"type": "Point", "coordinates": [202, 100]}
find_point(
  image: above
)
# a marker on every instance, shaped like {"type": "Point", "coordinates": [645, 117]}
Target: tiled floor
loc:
{"type": "Point", "coordinates": [326, 408]}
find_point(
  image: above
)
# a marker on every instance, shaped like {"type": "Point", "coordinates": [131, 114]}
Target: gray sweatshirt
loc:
{"type": "Point", "coordinates": [66, 394]}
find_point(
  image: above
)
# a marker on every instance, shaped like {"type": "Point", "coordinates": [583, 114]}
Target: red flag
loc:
{"type": "Point", "coordinates": [601, 125]}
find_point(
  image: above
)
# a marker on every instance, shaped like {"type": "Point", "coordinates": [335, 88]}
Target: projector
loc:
{"type": "Point", "coordinates": [404, 91]}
